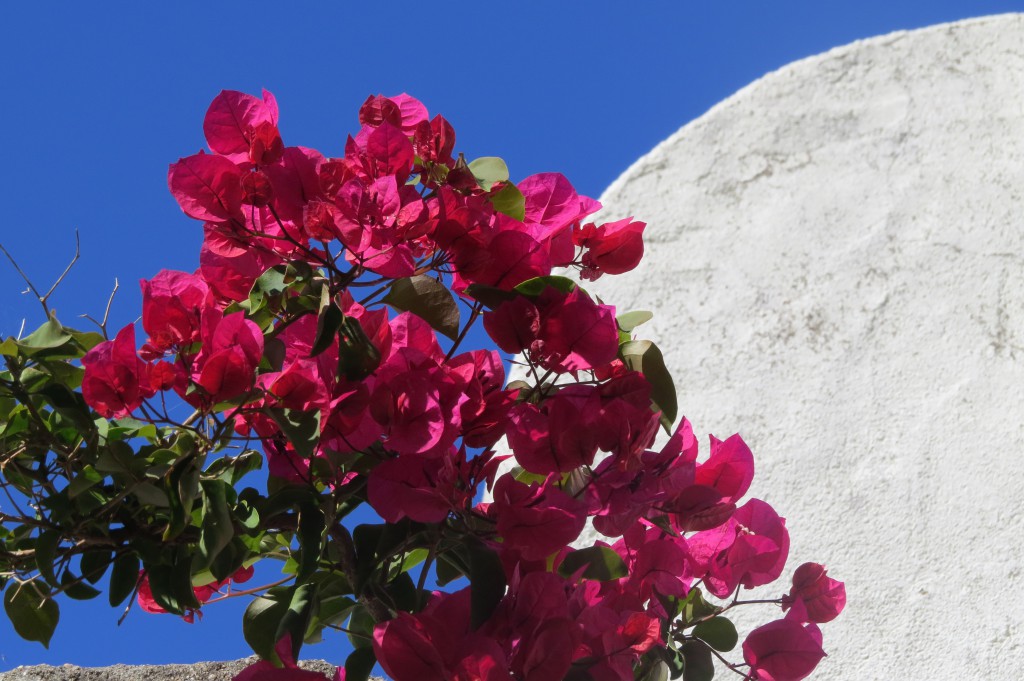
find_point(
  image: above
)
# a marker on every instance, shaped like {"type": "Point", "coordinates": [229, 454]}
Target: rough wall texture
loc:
{"type": "Point", "coordinates": [836, 264]}
{"type": "Point", "coordinates": [204, 671]}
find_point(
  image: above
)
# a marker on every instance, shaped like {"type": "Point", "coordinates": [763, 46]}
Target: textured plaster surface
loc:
{"type": "Point", "coordinates": [836, 265]}
{"type": "Point", "coordinates": [204, 671]}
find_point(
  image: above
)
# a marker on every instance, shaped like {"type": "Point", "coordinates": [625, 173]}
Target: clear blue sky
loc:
{"type": "Point", "coordinates": [98, 98]}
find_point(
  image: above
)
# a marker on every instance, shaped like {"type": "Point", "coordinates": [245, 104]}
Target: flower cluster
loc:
{"type": "Point", "coordinates": [327, 320]}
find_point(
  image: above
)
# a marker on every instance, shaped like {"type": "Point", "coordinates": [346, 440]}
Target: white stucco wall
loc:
{"type": "Point", "coordinates": [836, 264]}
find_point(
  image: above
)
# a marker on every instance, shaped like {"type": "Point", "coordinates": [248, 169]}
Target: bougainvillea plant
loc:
{"type": "Point", "coordinates": [323, 337]}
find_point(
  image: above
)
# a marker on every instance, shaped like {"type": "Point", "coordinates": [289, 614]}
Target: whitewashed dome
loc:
{"type": "Point", "coordinates": [835, 259]}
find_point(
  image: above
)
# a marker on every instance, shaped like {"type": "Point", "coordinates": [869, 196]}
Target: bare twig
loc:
{"type": "Point", "coordinates": [78, 253]}
{"type": "Point", "coordinates": [43, 297]}
{"type": "Point", "coordinates": [106, 312]}
{"type": "Point", "coordinates": [31, 286]}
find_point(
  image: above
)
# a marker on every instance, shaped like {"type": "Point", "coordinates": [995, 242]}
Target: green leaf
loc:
{"type": "Point", "coordinates": [86, 478]}
{"type": "Point", "coordinates": [76, 588]}
{"type": "Point", "coordinates": [699, 665]}
{"type": "Point", "coordinates": [329, 611]}
{"type": "Point", "coordinates": [297, 615]}
{"type": "Point", "coordinates": [360, 628]}
{"type": "Point", "coordinates": [717, 632]}
{"type": "Point", "coordinates": [94, 563]}
{"type": "Point", "coordinates": [358, 357]}
{"type": "Point", "coordinates": [32, 612]}
{"type": "Point", "coordinates": [231, 469]}
{"type": "Point", "coordinates": [123, 578]}
{"type": "Point", "coordinates": [489, 170]}
{"type": "Point", "coordinates": [628, 321]}
{"type": "Point", "coordinates": [695, 608]}
{"type": "Point", "coordinates": [428, 299]}
{"type": "Point", "coordinates": [171, 582]}
{"type": "Point", "coordinates": [510, 201]}
{"type": "Point", "coordinates": [216, 528]}
{"type": "Point", "coordinates": [327, 325]}
{"type": "Point", "coordinates": [447, 570]}
{"type": "Point", "coordinates": [182, 488]}
{"type": "Point", "coordinates": [486, 582]}
{"type": "Point", "coordinates": [536, 286]}
{"type": "Point", "coordinates": [490, 296]}
{"type": "Point", "coordinates": [414, 558]}
{"type": "Point", "coordinates": [87, 339]}
{"type": "Point", "coordinates": [360, 664]}
{"type": "Point", "coordinates": [402, 593]}
{"type": "Point", "coordinates": [260, 622]}
{"type": "Point", "coordinates": [601, 564]}
{"type": "Point", "coordinates": [675, 661]}
{"type": "Point", "coordinates": [10, 347]}
{"type": "Point", "coordinates": [46, 554]}
{"type": "Point", "coordinates": [645, 357]}
{"type": "Point", "coordinates": [49, 335]}
{"type": "Point", "coordinates": [172, 588]}
{"type": "Point", "coordinates": [69, 404]}
{"type": "Point", "coordinates": [657, 671]}
{"type": "Point", "coordinates": [271, 284]}
{"type": "Point", "coordinates": [302, 428]}
{"type": "Point", "coordinates": [312, 525]}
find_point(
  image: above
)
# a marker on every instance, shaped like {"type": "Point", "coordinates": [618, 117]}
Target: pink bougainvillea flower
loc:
{"type": "Point", "coordinates": [550, 201]}
{"type": "Point", "coordinates": [783, 650]}
{"type": "Point", "coordinates": [544, 653]}
{"type": "Point", "coordinates": [265, 145]}
{"type": "Point", "coordinates": [144, 594]}
{"type": "Point", "coordinates": [622, 494]}
{"type": "Point", "coordinates": [558, 437]}
{"type": "Point", "coordinates": [296, 181]}
{"type": "Point", "coordinates": [264, 670]}
{"type": "Point", "coordinates": [657, 563]}
{"type": "Point", "coordinates": [750, 549]}
{"type": "Point", "coordinates": [172, 305]}
{"type": "Point", "coordinates": [729, 468]}
{"type": "Point", "coordinates": [298, 386]}
{"type": "Point", "coordinates": [437, 644]}
{"type": "Point", "coordinates": [611, 248]}
{"type": "Point", "coordinates": [229, 267]}
{"type": "Point", "coordinates": [484, 412]}
{"type": "Point", "coordinates": [402, 111]}
{"type": "Point", "coordinates": [434, 142]}
{"type": "Point", "coordinates": [576, 333]}
{"type": "Point", "coordinates": [406, 487]}
{"type": "Point", "coordinates": [232, 348]}
{"type": "Point", "coordinates": [207, 187]}
{"type": "Point", "coordinates": [507, 260]}
{"type": "Point", "coordinates": [390, 152]}
{"type": "Point", "coordinates": [626, 425]}
{"type": "Point", "coordinates": [552, 209]}
{"type": "Point", "coordinates": [565, 331]}
{"type": "Point", "coordinates": [116, 381]}
{"type": "Point", "coordinates": [232, 118]}
{"type": "Point", "coordinates": [514, 324]}
{"type": "Point", "coordinates": [536, 519]}
{"type": "Point", "coordinates": [823, 598]}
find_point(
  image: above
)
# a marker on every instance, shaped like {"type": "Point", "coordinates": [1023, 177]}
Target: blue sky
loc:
{"type": "Point", "coordinates": [98, 100]}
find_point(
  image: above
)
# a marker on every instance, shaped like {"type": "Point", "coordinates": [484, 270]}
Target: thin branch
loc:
{"type": "Point", "coordinates": [42, 298]}
{"type": "Point", "coordinates": [249, 592]}
{"type": "Point", "coordinates": [106, 312]}
{"type": "Point", "coordinates": [31, 286]}
{"type": "Point", "coordinates": [477, 309]}
{"type": "Point", "coordinates": [78, 253]}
